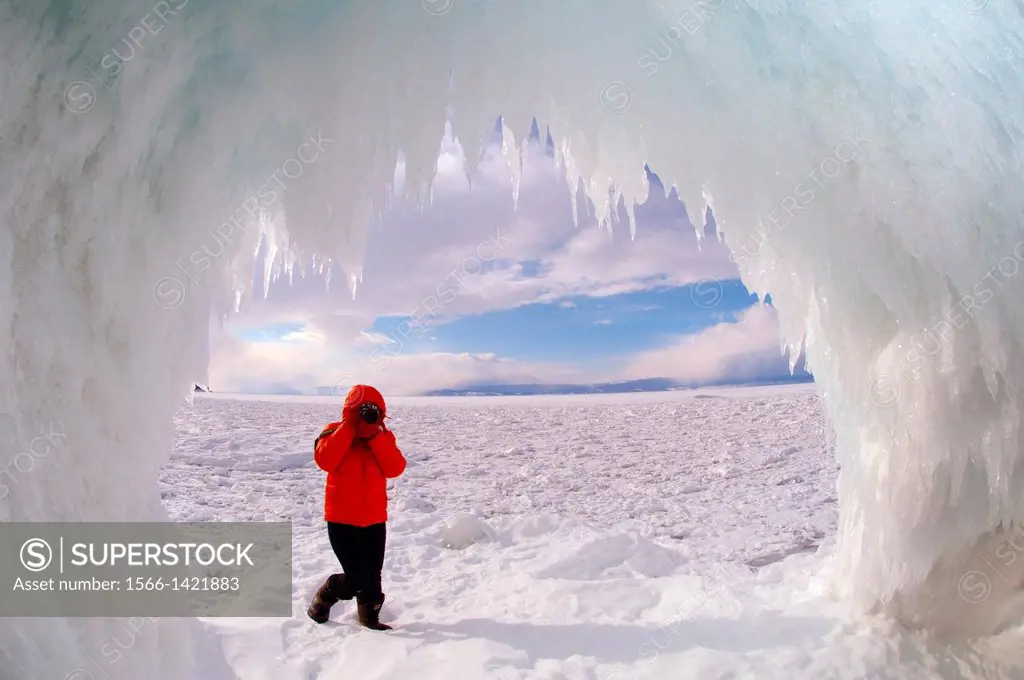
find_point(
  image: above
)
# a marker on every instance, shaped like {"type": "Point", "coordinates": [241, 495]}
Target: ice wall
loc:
{"type": "Point", "coordinates": [863, 161]}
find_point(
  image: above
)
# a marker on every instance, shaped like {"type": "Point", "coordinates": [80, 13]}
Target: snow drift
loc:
{"type": "Point", "coordinates": [863, 162]}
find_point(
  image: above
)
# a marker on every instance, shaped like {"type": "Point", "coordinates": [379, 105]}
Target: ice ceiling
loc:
{"type": "Point", "coordinates": [863, 160]}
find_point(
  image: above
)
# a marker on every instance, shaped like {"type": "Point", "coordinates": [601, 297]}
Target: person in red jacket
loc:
{"type": "Point", "coordinates": [359, 454]}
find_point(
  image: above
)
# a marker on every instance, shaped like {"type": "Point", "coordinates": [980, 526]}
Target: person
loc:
{"type": "Point", "coordinates": [359, 454]}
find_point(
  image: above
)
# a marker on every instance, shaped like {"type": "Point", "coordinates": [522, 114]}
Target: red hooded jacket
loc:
{"type": "Point", "coordinates": [358, 458]}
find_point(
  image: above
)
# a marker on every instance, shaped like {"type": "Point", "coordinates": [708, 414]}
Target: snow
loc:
{"type": "Point", "coordinates": [464, 530]}
{"type": "Point", "coordinates": [592, 537]}
{"type": "Point", "coordinates": [863, 162]}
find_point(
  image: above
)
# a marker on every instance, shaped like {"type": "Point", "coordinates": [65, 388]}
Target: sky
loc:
{"type": "Point", "coordinates": [478, 289]}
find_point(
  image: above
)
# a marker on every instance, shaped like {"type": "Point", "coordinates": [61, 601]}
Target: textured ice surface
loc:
{"type": "Point", "coordinates": [462, 531]}
{"type": "Point", "coordinates": [612, 555]}
{"type": "Point", "coordinates": [863, 160]}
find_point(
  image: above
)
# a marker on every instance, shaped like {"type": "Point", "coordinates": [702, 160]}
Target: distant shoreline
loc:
{"type": "Point", "coordinates": [636, 386]}
{"type": "Point", "coordinates": [470, 394]}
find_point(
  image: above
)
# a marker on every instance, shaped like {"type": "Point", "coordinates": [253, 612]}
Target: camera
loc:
{"type": "Point", "coordinates": [369, 412]}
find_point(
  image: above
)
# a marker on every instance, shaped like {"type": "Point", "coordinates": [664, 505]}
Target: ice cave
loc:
{"type": "Point", "coordinates": [863, 162]}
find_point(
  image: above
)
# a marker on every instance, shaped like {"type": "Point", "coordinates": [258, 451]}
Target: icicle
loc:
{"type": "Point", "coordinates": [353, 283]}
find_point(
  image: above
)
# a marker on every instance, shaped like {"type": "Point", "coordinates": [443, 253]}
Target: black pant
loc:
{"type": "Point", "coordinates": [361, 553]}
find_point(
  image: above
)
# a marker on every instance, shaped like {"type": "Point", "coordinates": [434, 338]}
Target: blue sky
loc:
{"type": "Point", "coordinates": [506, 293]}
{"type": "Point", "coordinates": [582, 328]}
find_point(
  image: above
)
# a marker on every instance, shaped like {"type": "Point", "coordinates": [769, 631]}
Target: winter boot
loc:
{"type": "Point", "coordinates": [369, 615]}
{"type": "Point", "coordinates": [326, 597]}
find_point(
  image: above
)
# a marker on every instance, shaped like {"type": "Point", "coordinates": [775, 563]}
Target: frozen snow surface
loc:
{"type": "Point", "coordinates": [863, 160]}
{"type": "Point", "coordinates": [627, 537]}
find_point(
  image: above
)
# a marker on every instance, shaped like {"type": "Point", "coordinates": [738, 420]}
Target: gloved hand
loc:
{"type": "Point", "coordinates": [365, 430]}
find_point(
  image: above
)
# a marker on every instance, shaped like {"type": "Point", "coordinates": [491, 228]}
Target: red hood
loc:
{"type": "Point", "coordinates": [359, 395]}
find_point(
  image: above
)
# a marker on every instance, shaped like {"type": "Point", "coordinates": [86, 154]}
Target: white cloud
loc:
{"type": "Point", "coordinates": [240, 366]}
{"type": "Point", "coordinates": [745, 350]}
{"type": "Point", "coordinates": [371, 338]}
{"type": "Point", "coordinates": [303, 336]}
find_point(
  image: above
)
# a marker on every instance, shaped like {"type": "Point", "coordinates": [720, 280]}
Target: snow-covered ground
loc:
{"type": "Point", "coordinates": [612, 537]}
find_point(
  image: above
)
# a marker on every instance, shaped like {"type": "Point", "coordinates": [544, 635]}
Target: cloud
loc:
{"type": "Point", "coordinates": [297, 363]}
{"type": "Point", "coordinates": [370, 338]}
{"type": "Point", "coordinates": [745, 350]}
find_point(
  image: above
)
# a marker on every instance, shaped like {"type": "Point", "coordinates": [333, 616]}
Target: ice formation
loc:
{"type": "Point", "coordinates": [464, 530]}
{"type": "Point", "coordinates": [863, 159]}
